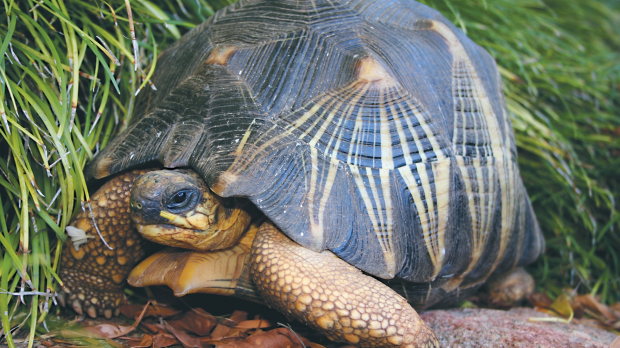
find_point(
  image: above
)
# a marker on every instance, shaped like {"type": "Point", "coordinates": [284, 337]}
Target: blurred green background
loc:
{"type": "Point", "coordinates": [68, 83]}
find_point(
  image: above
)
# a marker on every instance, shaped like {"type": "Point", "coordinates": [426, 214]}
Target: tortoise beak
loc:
{"type": "Point", "coordinates": [145, 211]}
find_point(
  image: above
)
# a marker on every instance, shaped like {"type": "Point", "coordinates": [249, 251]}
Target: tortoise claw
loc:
{"type": "Point", "coordinates": [86, 300]}
{"type": "Point", "coordinates": [61, 298]}
{"type": "Point", "coordinates": [92, 312]}
{"type": "Point", "coordinates": [77, 306]}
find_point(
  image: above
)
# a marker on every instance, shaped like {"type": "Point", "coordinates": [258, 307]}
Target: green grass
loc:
{"type": "Point", "coordinates": [63, 94]}
{"type": "Point", "coordinates": [561, 69]}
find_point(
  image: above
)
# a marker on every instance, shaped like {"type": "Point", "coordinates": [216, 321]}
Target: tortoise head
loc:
{"type": "Point", "coordinates": [177, 208]}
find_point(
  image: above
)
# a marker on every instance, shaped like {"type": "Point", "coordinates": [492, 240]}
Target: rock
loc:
{"type": "Point", "coordinates": [465, 328]}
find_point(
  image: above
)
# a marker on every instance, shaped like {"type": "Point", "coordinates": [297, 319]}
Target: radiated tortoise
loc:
{"type": "Point", "coordinates": [374, 140]}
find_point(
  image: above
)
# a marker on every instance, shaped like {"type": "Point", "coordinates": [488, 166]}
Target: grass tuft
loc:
{"type": "Point", "coordinates": [69, 73]}
{"type": "Point", "coordinates": [70, 70]}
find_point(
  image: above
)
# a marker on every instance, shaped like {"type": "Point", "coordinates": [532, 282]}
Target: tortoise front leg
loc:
{"type": "Point", "coordinates": [93, 274]}
{"type": "Point", "coordinates": [221, 272]}
{"type": "Point", "coordinates": [331, 296]}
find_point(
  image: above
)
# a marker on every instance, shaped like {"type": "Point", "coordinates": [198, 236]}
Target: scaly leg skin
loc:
{"type": "Point", "coordinates": [331, 296]}
{"type": "Point", "coordinates": [94, 275]}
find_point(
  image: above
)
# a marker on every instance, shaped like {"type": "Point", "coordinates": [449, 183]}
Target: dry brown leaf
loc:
{"type": "Point", "coordinates": [104, 330]}
{"type": "Point", "coordinates": [132, 341]}
{"type": "Point", "coordinates": [277, 338]}
{"type": "Point", "coordinates": [164, 340]}
{"type": "Point", "coordinates": [264, 339]}
{"type": "Point", "coordinates": [578, 310]}
{"type": "Point", "coordinates": [227, 322]}
{"type": "Point", "coordinates": [234, 332]}
{"type": "Point", "coordinates": [231, 336]}
{"type": "Point", "coordinates": [254, 324]}
{"type": "Point", "coordinates": [157, 341]}
{"type": "Point", "coordinates": [596, 309]}
{"type": "Point", "coordinates": [616, 343]}
{"type": "Point", "coordinates": [155, 310]}
{"type": "Point", "coordinates": [208, 341]}
{"type": "Point", "coordinates": [540, 300]}
{"type": "Point", "coordinates": [195, 321]}
{"type": "Point", "coordinates": [220, 331]}
{"type": "Point", "coordinates": [186, 340]}
{"type": "Point", "coordinates": [145, 342]}
{"type": "Point", "coordinates": [237, 344]}
{"type": "Point", "coordinates": [615, 309]}
{"type": "Point", "coordinates": [238, 316]}
{"type": "Point", "coordinates": [154, 328]}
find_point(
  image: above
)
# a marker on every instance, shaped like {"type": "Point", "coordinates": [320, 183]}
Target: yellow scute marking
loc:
{"type": "Point", "coordinates": [220, 55]}
{"type": "Point", "coordinates": [371, 71]}
{"type": "Point", "coordinates": [225, 179]}
{"type": "Point", "coordinates": [445, 32]}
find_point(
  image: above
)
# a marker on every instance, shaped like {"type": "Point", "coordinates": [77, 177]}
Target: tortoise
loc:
{"type": "Point", "coordinates": [343, 161]}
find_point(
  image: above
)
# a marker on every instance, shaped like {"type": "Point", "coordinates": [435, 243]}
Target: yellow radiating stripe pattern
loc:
{"type": "Point", "coordinates": [382, 226]}
{"type": "Point", "coordinates": [375, 130]}
{"type": "Point", "coordinates": [482, 155]}
{"type": "Point", "coordinates": [430, 189]}
{"type": "Point", "coordinates": [365, 125]}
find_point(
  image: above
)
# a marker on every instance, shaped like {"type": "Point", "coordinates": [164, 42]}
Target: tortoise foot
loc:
{"type": "Point", "coordinates": [93, 272]}
{"type": "Point", "coordinates": [333, 297]}
{"type": "Point", "coordinates": [86, 296]}
{"type": "Point", "coordinates": [511, 287]}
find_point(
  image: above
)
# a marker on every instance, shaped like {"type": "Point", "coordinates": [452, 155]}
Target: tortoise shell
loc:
{"type": "Point", "coordinates": [374, 129]}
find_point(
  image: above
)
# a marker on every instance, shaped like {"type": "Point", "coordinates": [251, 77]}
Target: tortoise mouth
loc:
{"type": "Point", "coordinates": [179, 237]}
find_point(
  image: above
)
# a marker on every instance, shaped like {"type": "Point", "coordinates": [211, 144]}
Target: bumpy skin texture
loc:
{"type": "Point", "coordinates": [95, 275]}
{"type": "Point", "coordinates": [332, 296]}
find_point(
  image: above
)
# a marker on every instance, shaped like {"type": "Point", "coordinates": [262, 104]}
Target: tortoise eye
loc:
{"type": "Point", "coordinates": [179, 197]}
{"type": "Point", "coordinates": [180, 200]}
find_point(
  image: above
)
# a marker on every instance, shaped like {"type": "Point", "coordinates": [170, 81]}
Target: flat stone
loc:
{"type": "Point", "coordinates": [465, 328]}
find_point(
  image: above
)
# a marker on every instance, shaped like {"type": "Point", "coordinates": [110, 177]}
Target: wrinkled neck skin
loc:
{"type": "Point", "coordinates": [214, 223]}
